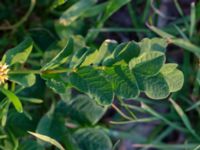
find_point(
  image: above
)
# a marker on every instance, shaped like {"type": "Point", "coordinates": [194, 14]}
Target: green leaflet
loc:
{"type": "Point", "coordinates": [154, 44]}
{"type": "Point", "coordinates": [89, 80]}
{"type": "Point", "coordinates": [84, 110]}
{"type": "Point", "coordinates": [156, 87]}
{"type": "Point", "coordinates": [147, 64]}
{"type": "Point", "coordinates": [20, 53]}
{"type": "Point", "coordinates": [25, 80]}
{"type": "Point", "coordinates": [92, 138]}
{"type": "Point", "coordinates": [61, 57]}
{"type": "Point", "coordinates": [79, 57]}
{"type": "Point", "coordinates": [20, 122]}
{"type": "Point", "coordinates": [98, 56]}
{"type": "Point", "coordinates": [13, 98]}
{"type": "Point", "coordinates": [169, 79]}
{"type": "Point", "coordinates": [173, 76]}
{"type": "Point", "coordinates": [124, 83]}
{"type": "Point", "coordinates": [89, 60]}
{"type": "Point", "coordinates": [57, 85]}
{"type": "Point", "coordinates": [106, 48]}
{"type": "Point", "coordinates": [47, 125]}
{"type": "Point", "coordinates": [124, 51]}
{"type": "Point", "coordinates": [56, 82]}
{"type": "Point", "coordinates": [53, 125]}
{"type": "Point", "coordinates": [30, 145]}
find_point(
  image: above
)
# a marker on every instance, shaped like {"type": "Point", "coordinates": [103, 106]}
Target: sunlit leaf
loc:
{"type": "Point", "coordinates": [20, 53]}
{"type": "Point", "coordinates": [13, 98]}
{"type": "Point", "coordinates": [47, 139]}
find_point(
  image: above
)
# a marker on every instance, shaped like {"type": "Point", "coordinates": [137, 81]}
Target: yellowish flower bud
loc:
{"type": "Point", "coordinates": [3, 73]}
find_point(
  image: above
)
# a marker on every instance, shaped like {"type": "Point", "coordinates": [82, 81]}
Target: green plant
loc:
{"type": "Point", "coordinates": [114, 70]}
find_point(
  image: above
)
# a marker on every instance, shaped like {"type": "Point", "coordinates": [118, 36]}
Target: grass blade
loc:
{"type": "Point", "coordinates": [194, 106]}
{"type": "Point", "coordinates": [141, 120]}
{"type": "Point", "coordinates": [192, 19]}
{"type": "Point", "coordinates": [197, 148]}
{"type": "Point", "coordinates": [177, 41]}
{"type": "Point", "coordinates": [13, 98]}
{"type": "Point", "coordinates": [166, 146]}
{"type": "Point", "coordinates": [47, 139]}
{"type": "Point", "coordinates": [157, 115]}
{"type": "Point", "coordinates": [184, 118]}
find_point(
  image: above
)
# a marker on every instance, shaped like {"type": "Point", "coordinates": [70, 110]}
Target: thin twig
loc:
{"type": "Point", "coordinates": [121, 113]}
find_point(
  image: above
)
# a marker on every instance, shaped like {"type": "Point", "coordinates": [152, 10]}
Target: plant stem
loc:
{"type": "Point", "coordinates": [66, 70]}
{"type": "Point", "coordinates": [40, 71]}
{"type": "Point", "coordinates": [141, 120]}
{"type": "Point", "coordinates": [129, 111]}
{"type": "Point", "coordinates": [24, 72]}
{"type": "Point", "coordinates": [121, 113]}
{"type": "Point", "coordinates": [56, 71]}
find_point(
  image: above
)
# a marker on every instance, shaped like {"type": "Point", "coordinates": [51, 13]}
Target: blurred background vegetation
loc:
{"type": "Point", "coordinates": [51, 22]}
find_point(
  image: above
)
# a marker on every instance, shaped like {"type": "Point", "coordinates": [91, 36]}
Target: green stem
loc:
{"type": "Point", "coordinates": [40, 71]}
{"type": "Point", "coordinates": [67, 70]}
{"type": "Point", "coordinates": [121, 113]}
{"type": "Point", "coordinates": [129, 111]}
{"type": "Point", "coordinates": [56, 71]}
{"type": "Point", "coordinates": [24, 72]}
